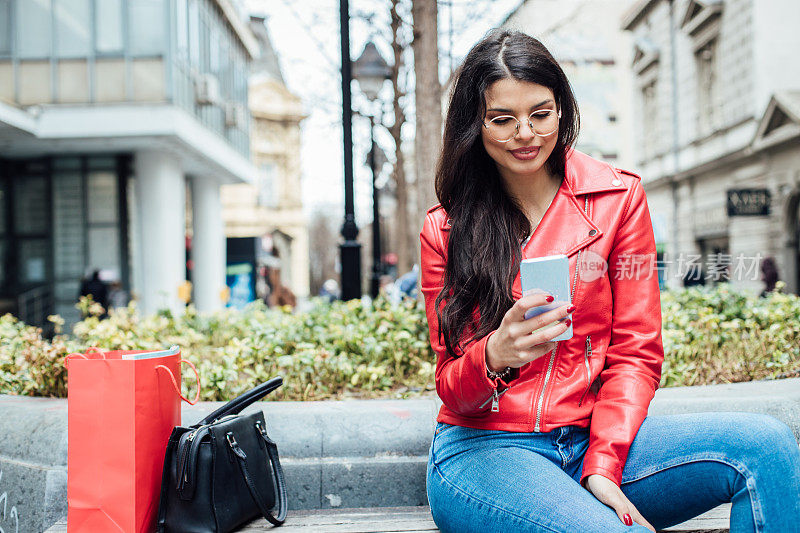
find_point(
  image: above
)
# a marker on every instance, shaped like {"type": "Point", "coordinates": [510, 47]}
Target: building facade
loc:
{"type": "Point", "coordinates": [115, 115]}
{"type": "Point", "coordinates": [585, 39]}
{"type": "Point", "coordinates": [271, 207]}
{"type": "Point", "coordinates": [717, 130]}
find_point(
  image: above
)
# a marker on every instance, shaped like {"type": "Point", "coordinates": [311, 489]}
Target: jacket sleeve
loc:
{"type": "Point", "coordinates": [632, 369]}
{"type": "Point", "coordinates": [461, 382]}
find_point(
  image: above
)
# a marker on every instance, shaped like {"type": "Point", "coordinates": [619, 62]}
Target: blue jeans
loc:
{"type": "Point", "coordinates": [678, 467]}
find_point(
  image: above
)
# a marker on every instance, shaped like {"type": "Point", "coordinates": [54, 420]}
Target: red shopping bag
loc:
{"type": "Point", "coordinates": [120, 415]}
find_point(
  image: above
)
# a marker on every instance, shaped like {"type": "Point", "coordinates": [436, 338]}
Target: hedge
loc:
{"type": "Point", "coordinates": [378, 349]}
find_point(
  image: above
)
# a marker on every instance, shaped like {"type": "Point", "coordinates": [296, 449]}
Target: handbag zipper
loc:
{"type": "Point", "coordinates": [553, 353]}
{"type": "Point", "coordinates": [587, 353]}
{"type": "Point", "coordinates": [183, 476]}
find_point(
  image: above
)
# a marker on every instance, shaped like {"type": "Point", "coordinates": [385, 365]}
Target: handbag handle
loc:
{"type": "Point", "coordinates": [175, 383]}
{"type": "Point", "coordinates": [272, 452]}
{"type": "Point", "coordinates": [236, 405]}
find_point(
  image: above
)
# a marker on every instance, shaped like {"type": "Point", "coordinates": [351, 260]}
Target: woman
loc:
{"type": "Point", "coordinates": [536, 435]}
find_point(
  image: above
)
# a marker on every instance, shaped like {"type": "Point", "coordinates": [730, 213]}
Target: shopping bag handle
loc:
{"type": "Point", "coordinates": [175, 383]}
{"type": "Point", "coordinates": [91, 349]}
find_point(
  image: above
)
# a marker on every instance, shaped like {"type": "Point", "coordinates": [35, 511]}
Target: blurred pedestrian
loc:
{"type": "Point", "coordinates": [95, 287]}
{"type": "Point", "coordinates": [694, 276]}
{"type": "Point", "coordinates": [330, 290]}
{"type": "Point", "coordinates": [407, 283]}
{"type": "Point", "coordinates": [769, 275]}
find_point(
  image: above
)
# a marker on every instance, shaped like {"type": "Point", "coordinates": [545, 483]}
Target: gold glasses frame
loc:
{"type": "Point", "coordinates": [530, 125]}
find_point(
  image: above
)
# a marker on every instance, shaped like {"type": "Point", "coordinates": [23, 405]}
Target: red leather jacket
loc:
{"type": "Point", "coordinates": [608, 372]}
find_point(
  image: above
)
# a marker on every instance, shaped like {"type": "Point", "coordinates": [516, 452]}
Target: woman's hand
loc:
{"type": "Point", "coordinates": [513, 344]}
{"type": "Point", "coordinates": [610, 494]}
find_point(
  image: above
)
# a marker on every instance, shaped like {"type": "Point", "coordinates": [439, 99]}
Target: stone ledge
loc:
{"type": "Point", "coordinates": [418, 519]}
{"type": "Point", "coordinates": [336, 454]}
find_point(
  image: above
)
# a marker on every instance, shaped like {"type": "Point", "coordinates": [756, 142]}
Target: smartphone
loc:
{"type": "Point", "coordinates": [550, 275]}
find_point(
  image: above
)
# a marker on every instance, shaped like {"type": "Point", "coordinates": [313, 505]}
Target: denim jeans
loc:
{"type": "Point", "coordinates": [678, 467]}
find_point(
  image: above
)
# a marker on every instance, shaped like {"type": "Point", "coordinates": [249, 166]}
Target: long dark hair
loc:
{"type": "Point", "coordinates": [487, 225]}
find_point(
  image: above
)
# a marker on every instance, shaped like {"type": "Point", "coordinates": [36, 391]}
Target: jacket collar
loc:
{"type": "Point", "coordinates": [583, 175]}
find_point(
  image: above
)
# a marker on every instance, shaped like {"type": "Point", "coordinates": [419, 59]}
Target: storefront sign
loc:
{"type": "Point", "coordinates": [748, 202]}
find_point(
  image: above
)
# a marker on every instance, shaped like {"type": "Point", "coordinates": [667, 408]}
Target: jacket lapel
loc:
{"type": "Point", "coordinates": [564, 229]}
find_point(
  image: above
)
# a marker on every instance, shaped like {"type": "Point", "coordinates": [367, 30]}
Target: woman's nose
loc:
{"type": "Point", "coordinates": [525, 130]}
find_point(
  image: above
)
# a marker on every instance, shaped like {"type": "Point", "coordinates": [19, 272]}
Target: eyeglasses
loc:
{"type": "Point", "coordinates": [543, 123]}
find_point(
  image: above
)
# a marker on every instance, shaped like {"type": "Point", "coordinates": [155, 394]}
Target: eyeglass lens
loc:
{"type": "Point", "coordinates": [506, 127]}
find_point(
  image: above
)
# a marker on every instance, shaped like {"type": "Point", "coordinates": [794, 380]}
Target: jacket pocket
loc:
{"type": "Point", "coordinates": [587, 353]}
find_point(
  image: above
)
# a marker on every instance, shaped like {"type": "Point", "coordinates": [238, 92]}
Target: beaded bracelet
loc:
{"type": "Point", "coordinates": [503, 374]}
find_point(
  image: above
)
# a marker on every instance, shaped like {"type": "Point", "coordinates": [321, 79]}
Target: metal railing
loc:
{"type": "Point", "coordinates": [34, 305]}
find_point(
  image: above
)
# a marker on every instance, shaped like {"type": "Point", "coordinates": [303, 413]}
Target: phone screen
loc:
{"type": "Point", "coordinates": [549, 274]}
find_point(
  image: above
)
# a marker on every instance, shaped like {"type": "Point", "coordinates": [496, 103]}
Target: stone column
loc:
{"type": "Point", "coordinates": [161, 214]}
{"type": "Point", "coordinates": [208, 244]}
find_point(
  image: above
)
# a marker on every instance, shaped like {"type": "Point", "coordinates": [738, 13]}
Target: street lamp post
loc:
{"type": "Point", "coordinates": [350, 249]}
{"type": "Point", "coordinates": [371, 71]}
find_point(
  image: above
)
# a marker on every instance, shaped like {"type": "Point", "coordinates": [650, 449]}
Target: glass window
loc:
{"type": "Point", "coordinates": [68, 230]}
{"type": "Point", "coordinates": [182, 29]}
{"type": "Point", "coordinates": [108, 26]}
{"type": "Point", "coordinates": [72, 28]}
{"type": "Point", "coordinates": [34, 31]}
{"type": "Point", "coordinates": [2, 262]}
{"type": "Point", "coordinates": [194, 33]}
{"type": "Point", "coordinates": [30, 205]}
{"type": "Point", "coordinates": [67, 163]}
{"type": "Point", "coordinates": [214, 51]}
{"type": "Point", "coordinates": [268, 185]}
{"type": "Point", "coordinates": [104, 248]}
{"type": "Point", "coordinates": [5, 27]}
{"type": "Point", "coordinates": [2, 210]}
{"type": "Point", "coordinates": [147, 27]}
{"type": "Point", "coordinates": [33, 260]}
{"type": "Point", "coordinates": [102, 197]}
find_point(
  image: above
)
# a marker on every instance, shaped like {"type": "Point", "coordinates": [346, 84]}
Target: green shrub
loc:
{"type": "Point", "coordinates": [355, 349]}
{"type": "Point", "coordinates": [343, 349]}
{"type": "Point", "coordinates": [717, 335]}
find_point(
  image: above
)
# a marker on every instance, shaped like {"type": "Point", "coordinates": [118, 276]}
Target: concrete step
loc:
{"type": "Point", "coordinates": [418, 518]}
{"type": "Point", "coordinates": [336, 455]}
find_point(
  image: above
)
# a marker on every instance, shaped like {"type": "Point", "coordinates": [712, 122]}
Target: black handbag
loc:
{"type": "Point", "coordinates": [223, 471]}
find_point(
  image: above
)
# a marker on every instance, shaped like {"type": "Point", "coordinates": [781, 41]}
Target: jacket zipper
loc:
{"type": "Point", "coordinates": [495, 399]}
{"type": "Point", "coordinates": [555, 350]}
{"type": "Point", "coordinates": [587, 353]}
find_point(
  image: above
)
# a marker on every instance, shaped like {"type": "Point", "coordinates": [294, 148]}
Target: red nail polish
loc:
{"type": "Point", "coordinates": [628, 520]}
{"type": "Point", "coordinates": [549, 298]}
{"type": "Point", "coordinates": [568, 322]}
{"type": "Point", "coordinates": [571, 309]}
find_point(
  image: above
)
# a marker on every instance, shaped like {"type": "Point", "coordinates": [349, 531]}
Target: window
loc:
{"type": "Point", "coordinates": [706, 61]}
{"type": "Point", "coordinates": [268, 185]}
{"type": "Point", "coordinates": [72, 28]}
{"type": "Point", "coordinates": [214, 51]}
{"type": "Point", "coordinates": [147, 27]}
{"type": "Point", "coordinates": [194, 34]}
{"type": "Point", "coordinates": [30, 206]}
{"type": "Point", "coordinates": [34, 31]}
{"type": "Point", "coordinates": [108, 26]}
{"type": "Point", "coordinates": [650, 115]}
{"type": "Point", "coordinates": [5, 27]}
{"type": "Point", "coordinates": [182, 29]}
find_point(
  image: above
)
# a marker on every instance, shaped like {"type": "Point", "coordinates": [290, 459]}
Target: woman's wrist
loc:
{"type": "Point", "coordinates": [491, 366]}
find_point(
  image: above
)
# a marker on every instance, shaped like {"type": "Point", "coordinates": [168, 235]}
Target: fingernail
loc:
{"type": "Point", "coordinates": [549, 298]}
{"type": "Point", "coordinates": [571, 309]}
{"type": "Point", "coordinates": [628, 520]}
{"type": "Point", "coordinates": [568, 322]}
